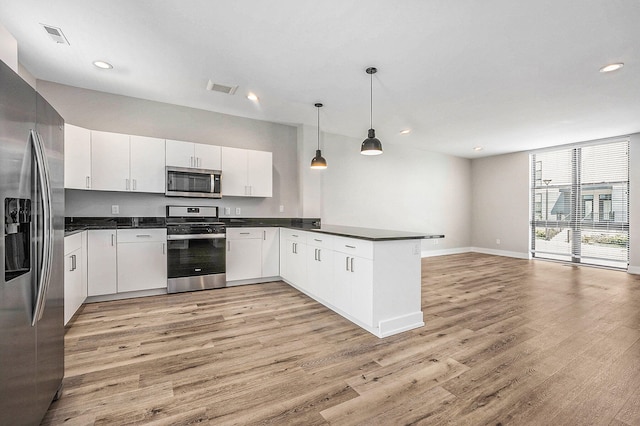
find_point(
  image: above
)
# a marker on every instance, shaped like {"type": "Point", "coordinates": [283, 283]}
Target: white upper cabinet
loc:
{"type": "Point", "coordinates": [127, 163]}
{"type": "Point", "coordinates": [193, 155]}
{"type": "Point", "coordinates": [246, 173]}
{"type": "Point", "coordinates": [110, 161]}
{"type": "Point", "coordinates": [77, 157]}
{"type": "Point", "coordinates": [147, 164]}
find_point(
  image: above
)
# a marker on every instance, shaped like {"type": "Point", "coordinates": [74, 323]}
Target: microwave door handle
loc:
{"type": "Point", "coordinates": [44, 180]}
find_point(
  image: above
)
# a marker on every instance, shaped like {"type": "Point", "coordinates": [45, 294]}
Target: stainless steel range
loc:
{"type": "Point", "coordinates": [196, 249]}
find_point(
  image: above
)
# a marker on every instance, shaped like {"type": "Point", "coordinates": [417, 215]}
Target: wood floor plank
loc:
{"type": "Point", "coordinates": [505, 341]}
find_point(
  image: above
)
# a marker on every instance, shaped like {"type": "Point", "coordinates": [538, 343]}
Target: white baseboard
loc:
{"type": "Point", "coordinates": [634, 270]}
{"type": "Point", "coordinates": [444, 252]}
{"type": "Point", "coordinates": [505, 253]}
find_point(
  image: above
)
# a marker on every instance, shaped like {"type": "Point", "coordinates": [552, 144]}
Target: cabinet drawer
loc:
{"type": "Point", "coordinates": [354, 247]}
{"type": "Point", "coordinates": [244, 233]}
{"type": "Point", "coordinates": [317, 239]}
{"type": "Point", "coordinates": [293, 235]}
{"type": "Point", "coordinates": [142, 235]}
{"type": "Point", "coordinates": [72, 243]}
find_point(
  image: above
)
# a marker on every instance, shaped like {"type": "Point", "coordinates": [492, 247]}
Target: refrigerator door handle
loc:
{"type": "Point", "coordinates": [44, 277]}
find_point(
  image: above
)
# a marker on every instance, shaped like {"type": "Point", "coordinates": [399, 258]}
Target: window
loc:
{"type": "Point", "coordinates": [580, 204]}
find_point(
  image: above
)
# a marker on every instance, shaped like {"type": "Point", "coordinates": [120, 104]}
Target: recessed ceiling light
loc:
{"type": "Point", "coordinates": [103, 65]}
{"type": "Point", "coordinates": [478, 148]}
{"type": "Point", "coordinates": [252, 97]}
{"type": "Point", "coordinates": [405, 131]}
{"type": "Point", "coordinates": [612, 67]}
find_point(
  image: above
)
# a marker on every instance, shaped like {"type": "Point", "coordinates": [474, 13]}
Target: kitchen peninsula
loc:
{"type": "Point", "coordinates": [372, 277]}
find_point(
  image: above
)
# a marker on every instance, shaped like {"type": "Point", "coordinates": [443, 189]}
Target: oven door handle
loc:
{"type": "Point", "coordinates": [196, 237]}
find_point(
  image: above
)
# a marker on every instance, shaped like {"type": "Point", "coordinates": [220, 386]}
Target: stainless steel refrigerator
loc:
{"type": "Point", "coordinates": [31, 287]}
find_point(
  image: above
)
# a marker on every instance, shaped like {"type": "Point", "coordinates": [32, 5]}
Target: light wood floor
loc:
{"type": "Point", "coordinates": [506, 341]}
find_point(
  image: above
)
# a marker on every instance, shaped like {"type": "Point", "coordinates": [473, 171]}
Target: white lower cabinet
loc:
{"type": "Point", "coordinates": [375, 284]}
{"type": "Point", "coordinates": [126, 260]}
{"type": "Point", "coordinates": [101, 262]}
{"type": "Point", "coordinates": [75, 274]}
{"type": "Point", "coordinates": [142, 259]}
{"type": "Point", "coordinates": [252, 254]}
{"type": "Point", "coordinates": [244, 254]}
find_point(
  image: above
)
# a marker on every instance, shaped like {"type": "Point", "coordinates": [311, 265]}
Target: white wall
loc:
{"type": "Point", "coordinates": [500, 207]}
{"type": "Point", "coordinates": [500, 204]}
{"type": "Point", "coordinates": [122, 114]}
{"type": "Point", "coordinates": [8, 49]}
{"type": "Point", "coordinates": [402, 189]}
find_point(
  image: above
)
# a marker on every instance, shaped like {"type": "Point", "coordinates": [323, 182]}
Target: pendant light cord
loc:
{"type": "Point", "coordinates": [318, 127]}
{"type": "Point", "coordinates": [371, 102]}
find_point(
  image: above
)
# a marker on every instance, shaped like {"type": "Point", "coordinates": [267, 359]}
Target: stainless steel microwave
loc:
{"type": "Point", "coordinates": [188, 182]}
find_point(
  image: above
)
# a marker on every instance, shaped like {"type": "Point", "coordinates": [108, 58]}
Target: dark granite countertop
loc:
{"type": "Point", "coordinates": [372, 234]}
{"type": "Point", "coordinates": [73, 225]}
{"type": "Point", "coordinates": [296, 223]}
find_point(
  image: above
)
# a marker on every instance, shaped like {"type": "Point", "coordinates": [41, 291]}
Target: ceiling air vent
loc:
{"type": "Point", "coordinates": [215, 87]}
{"type": "Point", "coordinates": [55, 34]}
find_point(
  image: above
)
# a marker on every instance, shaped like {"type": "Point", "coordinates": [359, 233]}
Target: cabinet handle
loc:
{"type": "Point", "coordinates": [319, 259]}
{"type": "Point", "coordinates": [164, 249]}
{"type": "Point", "coordinates": [143, 236]}
{"type": "Point", "coordinates": [294, 235]}
{"type": "Point", "coordinates": [134, 184]}
{"type": "Point", "coordinates": [315, 239]}
{"type": "Point", "coordinates": [191, 161]}
{"type": "Point", "coordinates": [126, 185]}
{"type": "Point", "coordinates": [352, 264]}
{"type": "Point", "coordinates": [315, 254]}
{"type": "Point", "coordinates": [112, 239]}
{"type": "Point", "coordinates": [347, 263]}
{"type": "Point", "coordinates": [245, 233]}
{"type": "Point", "coordinates": [73, 262]}
{"type": "Point", "coordinates": [264, 235]}
{"type": "Point", "coordinates": [293, 247]}
{"type": "Point", "coordinates": [88, 182]}
{"type": "Point", "coordinates": [350, 246]}
{"type": "Point", "coordinates": [228, 245]}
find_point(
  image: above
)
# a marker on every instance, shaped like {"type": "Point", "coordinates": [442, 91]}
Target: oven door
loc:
{"type": "Point", "coordinates": [195, 262]}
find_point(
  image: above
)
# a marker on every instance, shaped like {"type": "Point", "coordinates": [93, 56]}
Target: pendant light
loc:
{"type": "Point", "coordinates": [318, 161]}
{"type": "Point", "coordinates": [371, 145]}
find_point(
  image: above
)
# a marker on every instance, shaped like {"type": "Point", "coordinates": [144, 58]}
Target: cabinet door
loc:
{"type": "Point", "coordinates": [260, 174]}
{"type": "Point", "coordinates": [361, 305]}
{"type": "Point", "coordinates": [101, 262]}
{"type": "Point", "coordinates": [297, 263]}
{"type": "Point", "coordinates": [179, 154]}
{"type": "Point", "coordinates": [147, 164]}
{"type": "Point", "coordinates": [142, 266]}
{"type": "Point", "coordinates": [74, 295]}
{"type": "Point", "coordinates": [109, 161]}
{"type": "Point", "coordinates": [244, 259]}
{"type": "Point", "coordinates": [234, 171]}
{"type": "Point", "coordinates": [270, 252]}
{"type": "Point", "coordinates": [208, 156]}
{"type": "Point", "coordinates": [339, 291]}
{"type": "Point", "coordinates": [77, 157]}
{"type": "Point", "coordinates": [319, 272]}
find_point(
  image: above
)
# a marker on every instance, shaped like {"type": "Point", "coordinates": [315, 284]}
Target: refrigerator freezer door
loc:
{"type": "Point", "coordinates": [31, 356]}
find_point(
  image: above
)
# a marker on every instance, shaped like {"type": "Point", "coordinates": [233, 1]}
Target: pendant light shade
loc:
{"type": "Point", "coordinates": [371, 145]}
{"type": "Point", "coordinates": [318, 162]}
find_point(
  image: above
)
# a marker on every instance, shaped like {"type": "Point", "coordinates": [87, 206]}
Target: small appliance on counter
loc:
{"type": "Point", "coordinates": [196, 241]}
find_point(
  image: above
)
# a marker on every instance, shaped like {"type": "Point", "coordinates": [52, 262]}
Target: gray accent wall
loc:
{"type": "Point", "coordinates": [122, 114]}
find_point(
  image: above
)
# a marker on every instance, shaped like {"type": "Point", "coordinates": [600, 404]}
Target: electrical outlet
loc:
{"type": "Point", "coordinates": [227, 211]}
{"type": "Point", "coordinates": [281, 208]}
{"type": "Point", "coordinates": [498, 241]}
{"type": "Point", "coordinates": [115, 209]}
{"type": "Point", "coordinates": [238, 210]}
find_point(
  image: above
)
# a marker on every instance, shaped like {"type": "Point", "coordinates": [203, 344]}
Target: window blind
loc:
{"type": "Point", "coordinates": [580, 204]}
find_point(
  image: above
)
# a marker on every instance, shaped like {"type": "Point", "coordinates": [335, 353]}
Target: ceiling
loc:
{"type": "Point", "coordinates": [501, 74]}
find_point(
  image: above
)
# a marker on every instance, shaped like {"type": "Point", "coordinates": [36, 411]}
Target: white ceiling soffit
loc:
{"type": "Point", "coordinates": [501, 74]}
